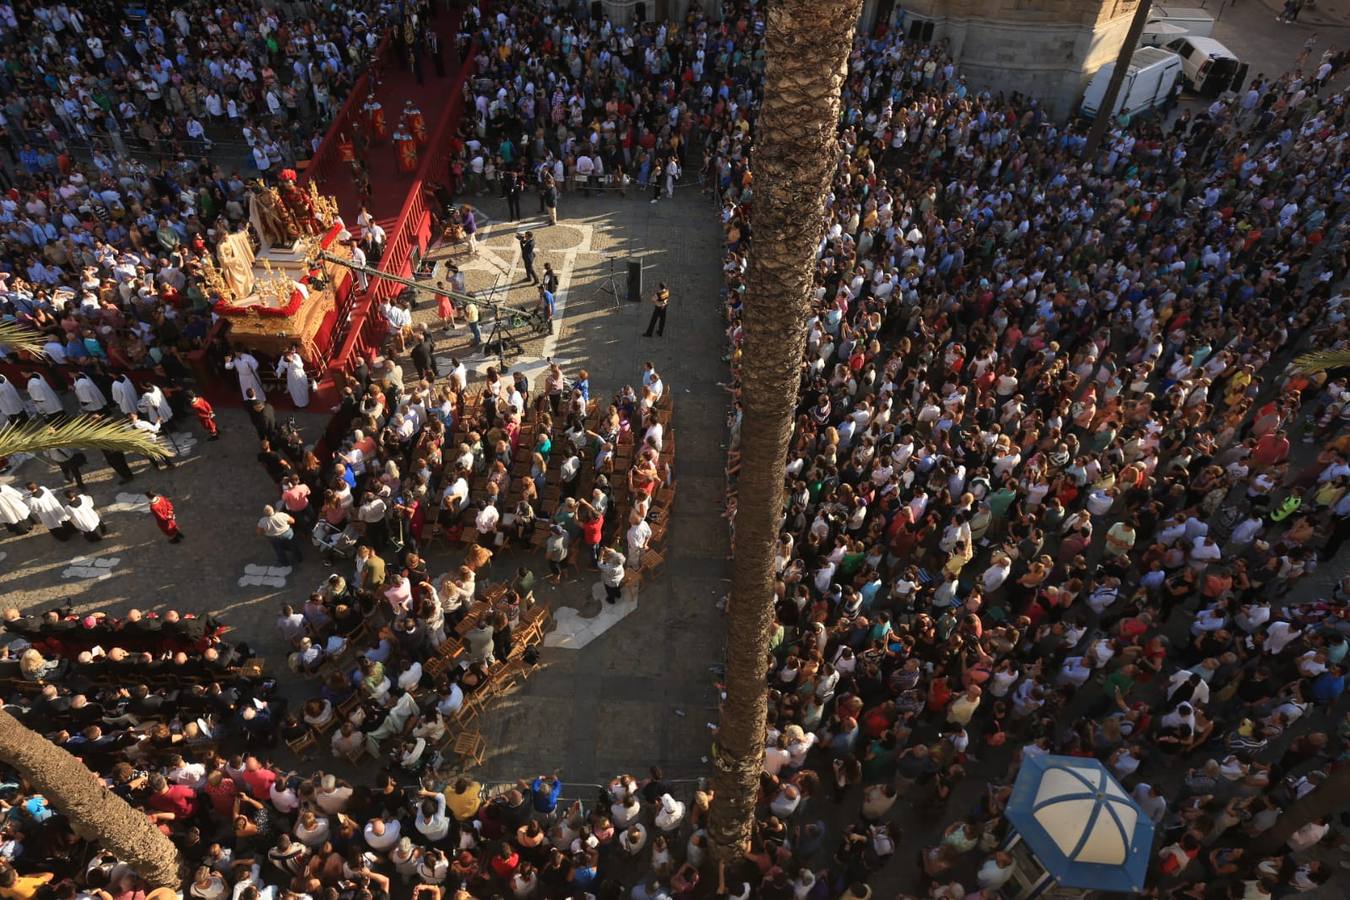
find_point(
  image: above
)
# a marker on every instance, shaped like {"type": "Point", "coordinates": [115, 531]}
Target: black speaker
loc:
{"type": "Point", "coordinates": [921, 30]}
{"type": "Point", "coordinates": [597, 10]}
{"type": "Point", "coordinates": [635, 282]}
{"type": "Point", "coordinates": [640, 13]}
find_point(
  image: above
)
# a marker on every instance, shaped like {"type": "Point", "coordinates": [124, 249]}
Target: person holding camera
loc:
{"type": "Point", "coordinates": [527, 255]}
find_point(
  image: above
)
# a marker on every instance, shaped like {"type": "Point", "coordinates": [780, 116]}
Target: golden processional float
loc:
{"type": "Point", "coordinates": [279, 280]}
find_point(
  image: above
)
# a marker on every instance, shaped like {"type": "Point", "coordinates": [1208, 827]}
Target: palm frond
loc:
{"type": "Point", "coordinates": [1322, 360]}
{"type": "Point", "coordinates": [92, 432]}
{"type": "Point", "coordinates": [14, 336]}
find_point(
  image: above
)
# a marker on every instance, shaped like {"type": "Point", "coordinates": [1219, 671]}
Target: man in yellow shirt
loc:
{"type": "Point", "coordinates": [14, 886]}
{"type": "Point", "coordinates": [964, 706]}
{"type": "Point", "coordinates": [957, 560]}
{"type": "Point", "coordinates": [463, 799]}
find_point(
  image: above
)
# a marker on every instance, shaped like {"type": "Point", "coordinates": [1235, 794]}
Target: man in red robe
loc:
{"type": "Point", "coordinates": [346, 150]}
{"type": "Point", "coordinates": [206, 415]}
{"type": "Point", "coordinates": [407, 151]}
{"type": "Point", "coordinates": [374, 110]}
{"type": "Point", "coordinates": [162, 509]}
{"type": "Point", "coordinates": [416, 123]}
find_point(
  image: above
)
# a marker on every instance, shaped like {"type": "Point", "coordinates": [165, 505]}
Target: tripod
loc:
{"type": "Point", "coordinates": [501, 337]}
{"type": "Point", "coordinates": [607, 286]}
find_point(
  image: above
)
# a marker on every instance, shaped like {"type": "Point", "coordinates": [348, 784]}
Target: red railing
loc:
{"type": "Point", "coordinates": [365, 331]}
{"type": "Point", "coordinates": [325, 159]}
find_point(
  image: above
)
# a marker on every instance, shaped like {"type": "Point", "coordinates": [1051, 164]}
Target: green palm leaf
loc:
{"type": "Point", "coordinates": [93, 432]}
{"type": "Point", "coordinates": [1320, 360]}
{"type": "Point", "coordinates": [21, 338]}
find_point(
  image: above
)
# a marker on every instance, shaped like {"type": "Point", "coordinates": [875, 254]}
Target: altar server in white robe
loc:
{"type": "Point", "coordinates": [14, 512]}
{"type": "Point", "coordinates": [44, 398]}
{"type": "Point", "coordinates": [89, 394]}
{"type": "Point", "coordinates": [154, 406]}
{"type": "Point", "coordinates": [297, 383]}
{"type": "Point", "coordinates": [124, 394]}
{"type": "Point", "coordinates": [244, 365]}
{"type": "Point", "coordinates": [11, 402]}
{"type": "Point", "coordinates": [80, 508]}
{"type": "Point", "coordinates": [49, 511]}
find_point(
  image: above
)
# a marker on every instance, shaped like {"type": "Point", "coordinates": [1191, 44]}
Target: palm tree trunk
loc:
{"type": "Point", "coordinates": [1327, 799]}
{"type": "Point", "coordinates": [794, 158]}
{"type": "Point", "coordinates": [95, 813]}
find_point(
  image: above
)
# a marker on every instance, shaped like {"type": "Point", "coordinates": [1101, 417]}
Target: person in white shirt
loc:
{"type": "Point", "coordinates": [44, 399]}
{"type": "Point", "coordinates": [1203, 552]}
{"type": "Point", "coordinates": [1252, 616]}
{"type": "Point", "coordinates": [432, 822]}
{"type": "Point", "coordinates": [585, 170]}
{"type": "Point", "coordinates": [450, 702]}
{"type": "Point", "coordinates": [485, 523]}
{"type": "Point", "coordinates": [89, 395]}
{"type": "Point", "coordinates": [639, 535]}
{"type": "Point", "coordinates": [1075, 672]}
{"type": "Point", "coordinates": [283, 796]}
{"type": "Point", "coordinates": [83, 516]}
{"type": "Point", "coordinates": [1211, 618]}
{"type": "Point", "coordinates": [43, 504]}
{"type": "Point", "coordinates": [1280, 635]}
{"type": "Point", "coordinates": [995, 872]}
{"type": "Point", "coordinates": [776, 756]}
{"type": "Point", "coordinates": [381, 835]}
{"type": "Point", "coordinates": [1151, 801]}
{"type": "Point", "coordinates": [1308, 835]}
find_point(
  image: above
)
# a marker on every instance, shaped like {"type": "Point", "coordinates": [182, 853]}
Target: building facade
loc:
{"type": "Point", "coordinates": [1043, 48]}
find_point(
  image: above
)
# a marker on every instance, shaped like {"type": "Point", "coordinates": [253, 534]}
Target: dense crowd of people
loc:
{"type": "Point", "coordinates": [182, 80]}
{"type": "Point", "coordinates": [102, 246]}
{"type": "Point", "coordinates": [1048, 488]}
{"type": "Point", "coordinates": [1054, 488]}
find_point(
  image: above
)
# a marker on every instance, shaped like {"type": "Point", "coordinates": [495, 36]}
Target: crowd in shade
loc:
{"type": "Point", "coordinates": [1055, 487]}
{"type": "Point", "coordinates": [118, 132]}
{"type": "Point", "coordinates": [177, 81]}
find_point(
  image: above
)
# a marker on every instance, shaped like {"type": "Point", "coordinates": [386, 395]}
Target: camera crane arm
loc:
{"type": "Point", "coordinates": [512, 321]}
{"type": "Point", "coordinates": [428, 286]}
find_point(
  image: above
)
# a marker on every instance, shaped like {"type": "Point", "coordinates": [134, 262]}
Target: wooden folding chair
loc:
{"type": "Point", "coordinates": [651, 561]}
{"type": "Point", "coordinates": [468, 711]}
{"type": "Point", "coordinates": [470, 747]}
{"type": "Point", "coordinates": [511, 673]}
{"type": "Point", "coordinates": [658, 515]}
{"type": "Point", "coordinates": [450, 650]}
{"type": "Point", "coordinates": [349, 706]}
{"type": "Point", "coordinates": [322, 731]}
{"type": "Point", "coordinates": [436, 666]}
{"type": "Point", "coordinates": [540, 536]}
{"type": "Point", "coordinates": [658, 534]}
{"type": "Point", "coordinates": [533, 623]}
{"type": "Point", "coordinates": [302, 745]}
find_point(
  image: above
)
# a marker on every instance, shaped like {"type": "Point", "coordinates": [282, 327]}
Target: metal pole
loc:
{"type": "Point", "coordinates": [1107, 110]}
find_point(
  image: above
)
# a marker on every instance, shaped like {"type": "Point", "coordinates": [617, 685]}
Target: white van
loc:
{"type": "Point", "coordinates": [1148, 81]}
{"type": "Point", "coordinates": [1208, 67]}
{"type": "Point", "coordinates": [1166, 23]}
